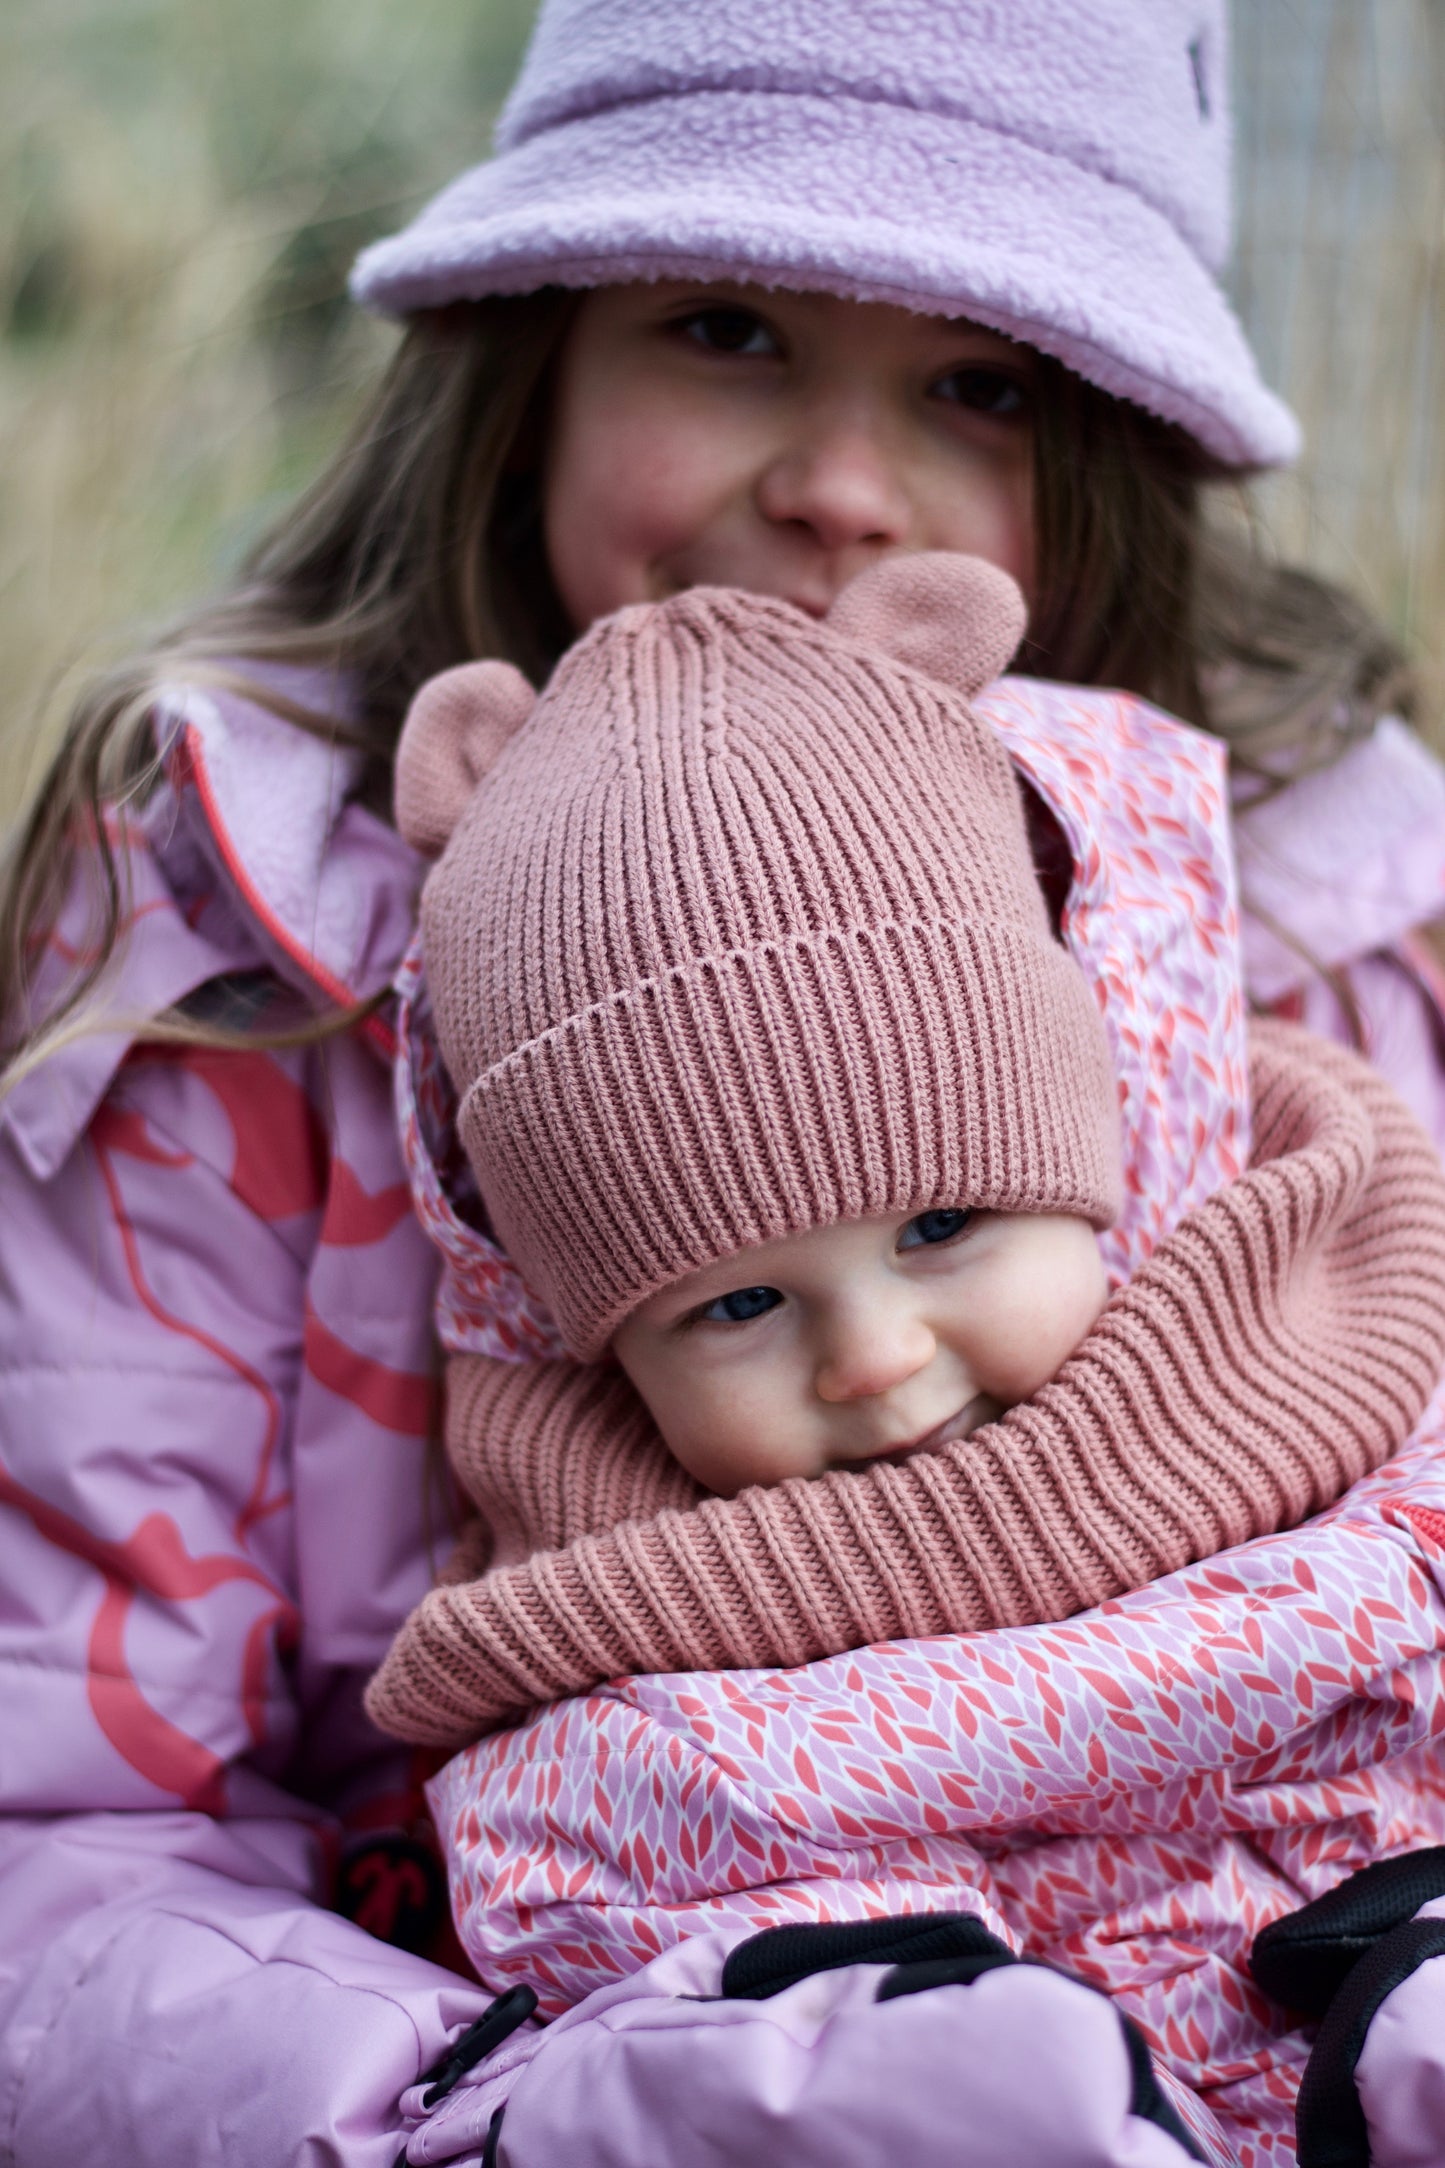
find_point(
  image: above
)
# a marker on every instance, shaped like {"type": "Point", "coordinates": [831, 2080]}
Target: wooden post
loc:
{"type": "Point", "coordinates": [1340, 279]}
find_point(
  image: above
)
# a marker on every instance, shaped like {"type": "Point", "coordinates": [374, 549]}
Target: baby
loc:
{"type": "Point", "coordinates": [786, 1101]}
{"type": "Point", "coordinates": [701, 963]}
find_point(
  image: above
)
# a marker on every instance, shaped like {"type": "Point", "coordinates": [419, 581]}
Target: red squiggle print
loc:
{"type": "Point", "coordinates": [255, 1664]}
{"type": "Point", "coordinates": [280, 1163]}
{"type": "Point", "coordinates": [86, 958]}
{"type": "Point", "coordinates": [111, 1131]}
{"type": "Point", "coordinates": [154, 1559]}
{"type": "Point", "coordinates": [399, 1400]}
{"type": "Point", "coordinates": [170, 1758]}
{"type": "Point", "coordinates": [354, 1216]}
{"type": "Point", "coordinates": [125, 1131]}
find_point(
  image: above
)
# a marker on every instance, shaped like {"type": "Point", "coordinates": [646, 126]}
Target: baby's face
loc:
{"type": "Point", "coordinates": [863, 1341]}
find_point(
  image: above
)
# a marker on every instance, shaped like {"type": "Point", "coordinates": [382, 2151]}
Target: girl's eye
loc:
{"type": "Point", "coordinates": [995, 392]}
{"type": "Point", "coordinates": [728, 331]}
{"type": "Point", "coordinates": [931, 1228]}
{"type": "Point", "coordinates": [740, 1307]}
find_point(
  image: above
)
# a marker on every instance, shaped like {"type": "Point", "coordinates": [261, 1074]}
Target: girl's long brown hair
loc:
{"type": "Point", "coordinates": [422, 547]}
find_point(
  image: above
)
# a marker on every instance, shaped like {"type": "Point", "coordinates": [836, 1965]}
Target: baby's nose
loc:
{"type": "Point", "coordinates": [866, 1357]}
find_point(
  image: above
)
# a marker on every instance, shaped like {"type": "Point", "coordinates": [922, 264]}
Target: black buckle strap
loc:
{"type": "Point", "coordinates": [918, 1978]}
{"type": "Point", "coordinates": [1330, 2126]}
{"type": "Point", "coordinates": [778, 1957]}
{"type": "Point", "coordinates": [1304, 1959]}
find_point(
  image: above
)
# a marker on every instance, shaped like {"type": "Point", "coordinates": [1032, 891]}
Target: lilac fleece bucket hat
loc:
{"type": "Point", "coordinates": [1056, 169]}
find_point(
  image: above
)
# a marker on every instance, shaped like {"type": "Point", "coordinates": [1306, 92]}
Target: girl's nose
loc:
{"type": "Point", "coordinates": [870, 1355]}
{"type": "Point", "coordinates": [839, 479]}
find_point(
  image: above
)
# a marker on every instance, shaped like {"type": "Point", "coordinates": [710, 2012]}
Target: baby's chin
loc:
{"type": "Point", "coordinates": [725, 1479]}
{"type": "Point", "coordinates": [982, 1409]}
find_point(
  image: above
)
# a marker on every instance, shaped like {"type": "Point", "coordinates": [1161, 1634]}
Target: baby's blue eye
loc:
{"type": "Point", "coordinates": [931, 1228]}
{"type": "Point", "coordinates": [741, 1306]}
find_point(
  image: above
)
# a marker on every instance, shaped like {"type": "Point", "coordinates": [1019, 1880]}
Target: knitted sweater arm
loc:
{"type": "Point", "coordinates": [1283, 1341]}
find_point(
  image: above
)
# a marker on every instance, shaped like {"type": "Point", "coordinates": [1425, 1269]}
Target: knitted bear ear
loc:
{"type": "Point", "coordinates": [455, 728]}
{"type": "Point", "coordinates": [958, 619]}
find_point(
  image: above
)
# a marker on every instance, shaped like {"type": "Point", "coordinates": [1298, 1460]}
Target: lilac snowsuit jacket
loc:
{"type": "Point", "coordinates": [219, 1369]}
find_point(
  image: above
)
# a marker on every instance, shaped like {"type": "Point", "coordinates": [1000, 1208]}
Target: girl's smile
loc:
{"type": "Point", "coordinates": [728, 435]}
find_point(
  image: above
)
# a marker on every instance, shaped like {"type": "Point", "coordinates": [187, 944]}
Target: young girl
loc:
{"type": "Point", "coordinates": [749, 295]}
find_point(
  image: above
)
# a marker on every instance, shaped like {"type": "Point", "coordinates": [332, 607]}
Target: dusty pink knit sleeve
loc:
{"type": "Point", "coordinates": [1281, 1343]}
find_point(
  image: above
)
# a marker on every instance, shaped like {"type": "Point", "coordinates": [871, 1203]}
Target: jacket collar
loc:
{"type": "Point", "coordinates": [251, 854]}
{"type": "Point", "coordinates": [1341, 862]}
{"type": "Point", "coordinates": [328, 888]}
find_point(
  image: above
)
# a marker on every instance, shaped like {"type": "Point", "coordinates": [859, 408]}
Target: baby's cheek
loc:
{"type": "Point", "coordinates": [1037, 1319]}
{"type": "Point", "coordinates": [705, 1424]}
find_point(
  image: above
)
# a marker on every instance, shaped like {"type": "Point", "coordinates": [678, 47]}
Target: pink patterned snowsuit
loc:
{"type": "Point", "coordinates": [1075, 1787]}
{"type": "Point", "coordinates": [219, 1367]}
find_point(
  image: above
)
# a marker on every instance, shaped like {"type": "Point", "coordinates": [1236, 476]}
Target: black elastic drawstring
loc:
{"type": "Point", "coordinates": [497, 2023]}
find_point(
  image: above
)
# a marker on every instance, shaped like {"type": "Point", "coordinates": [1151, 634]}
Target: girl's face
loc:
{"type": "Point", "coordinates": [722, 435]}
{"type": "Point", "coordinates": [863, 1341]}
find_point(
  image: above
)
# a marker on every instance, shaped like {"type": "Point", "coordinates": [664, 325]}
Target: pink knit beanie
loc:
{"type": "Point", "coordinates": [736, 932]}
{"type": "Point", "coordinates": [1058, 169]}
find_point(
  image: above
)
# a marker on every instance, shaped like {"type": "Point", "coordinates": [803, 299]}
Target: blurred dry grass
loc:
{"type": "Point", "coordinates": [183, 184]}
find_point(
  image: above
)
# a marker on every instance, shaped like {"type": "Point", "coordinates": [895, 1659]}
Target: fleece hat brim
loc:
{"type": "Point", "coordinates": [874, 202]}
